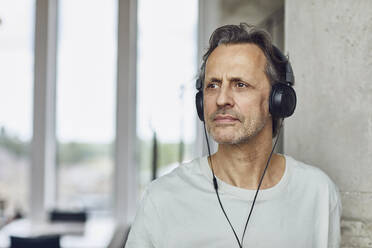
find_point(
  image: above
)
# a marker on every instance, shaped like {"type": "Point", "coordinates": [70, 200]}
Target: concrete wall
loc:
{"type": "Point", "coordinates": [330, 46]}
{"type": "Point", "coordinates": [249, 11]}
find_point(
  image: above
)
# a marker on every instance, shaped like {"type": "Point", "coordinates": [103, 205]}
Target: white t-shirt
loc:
{"type": "Point", "coordinates": [181, 210]}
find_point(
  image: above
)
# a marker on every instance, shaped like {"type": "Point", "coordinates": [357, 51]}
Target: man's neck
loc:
{"type": "Point", "coordinates": [242, 165]}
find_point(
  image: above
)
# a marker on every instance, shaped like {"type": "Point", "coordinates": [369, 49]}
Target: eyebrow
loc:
{"type": "Point", "coordinates": [235, 79]}
{"type": "Point", "coordinates": [214, 79]}
{"type": "Point", "coordinates": [232, 79]}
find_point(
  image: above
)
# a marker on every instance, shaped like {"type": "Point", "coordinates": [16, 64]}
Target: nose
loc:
{"type": "Point", "coordinates": [225, 97]}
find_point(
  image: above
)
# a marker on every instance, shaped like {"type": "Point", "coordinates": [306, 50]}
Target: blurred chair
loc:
{"type": "Point", "coordinates": [50, 241]}
{"type": "Point", "coordinates": [68, 216]}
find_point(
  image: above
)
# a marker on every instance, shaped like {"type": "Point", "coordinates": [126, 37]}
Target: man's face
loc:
{"type": "Point", "coordinates": [236, 93]}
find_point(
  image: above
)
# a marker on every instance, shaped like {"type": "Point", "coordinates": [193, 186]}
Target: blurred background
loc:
{"type": "Point", "coordinates": [97, 100]}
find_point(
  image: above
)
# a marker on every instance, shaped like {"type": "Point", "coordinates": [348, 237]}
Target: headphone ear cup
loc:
{"type": "Point", "coordinates": [199, 104]}
{"type": "Point", "coordinates": [282, 101]}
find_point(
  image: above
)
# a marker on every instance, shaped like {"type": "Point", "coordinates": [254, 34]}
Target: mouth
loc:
{"type": "Point", "coordinates": [225, 119]}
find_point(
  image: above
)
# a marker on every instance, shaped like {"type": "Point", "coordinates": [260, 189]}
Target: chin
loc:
{"type": "Point", "coordinates": [226, 138]}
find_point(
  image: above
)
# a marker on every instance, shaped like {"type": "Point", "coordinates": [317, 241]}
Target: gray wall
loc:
{"type": "Point", "coordinates": [330, 46]}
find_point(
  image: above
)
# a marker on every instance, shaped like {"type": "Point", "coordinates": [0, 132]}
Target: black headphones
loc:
{"type": "Point", "coordinates": [282, 100]}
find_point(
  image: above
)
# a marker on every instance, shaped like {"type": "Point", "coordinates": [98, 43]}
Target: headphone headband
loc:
{"type": "Point", "coordinates": [289, 76]}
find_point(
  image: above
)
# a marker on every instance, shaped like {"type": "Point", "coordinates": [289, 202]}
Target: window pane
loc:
{"type": "Point", "coordinates": [167, 48]}
{"type": "Point", "coordinates": [86, 102]}
{"type": "Point", "coordinates": [16, 77]}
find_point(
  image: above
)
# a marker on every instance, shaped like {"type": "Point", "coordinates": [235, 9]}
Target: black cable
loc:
{"type": "Point", "coordinates": [216, 187]}
{"type": "Point", "coordinates": [259, 185]}
{"type": "Point", "coordinates": [258, 188]}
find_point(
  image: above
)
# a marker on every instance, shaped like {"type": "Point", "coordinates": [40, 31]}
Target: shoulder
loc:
{"type": "Point", "coordinates": [174, 181]}
{"type": "Point", "coordinates": [309, 173]}
{"type": "Point", "coordinates": [311, 178]}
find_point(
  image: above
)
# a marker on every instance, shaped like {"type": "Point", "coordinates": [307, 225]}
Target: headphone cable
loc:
{"type": "Point", "coordinates": [258, 188]}
{"type": "Point", "coordinates": [216, 187]}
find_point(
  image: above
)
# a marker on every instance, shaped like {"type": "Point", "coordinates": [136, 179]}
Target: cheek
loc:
{"type": "Point", "coordinates": [253, 107]}
{"type": "Point", "coordinates": [264, 104]}
{"type": "Point", "coordinates": [263, 101]}
{"type": "Point", "coordinates": [249, 104]}
{"type": "Point", "coordinates": [209, 106]}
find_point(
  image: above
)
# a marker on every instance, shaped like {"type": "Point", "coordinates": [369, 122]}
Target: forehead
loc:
{"type": "Point", "coordinates": [236, 58]}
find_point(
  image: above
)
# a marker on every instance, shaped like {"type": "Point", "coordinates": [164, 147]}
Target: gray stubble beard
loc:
{"type": "Point", "coordinates": [247, 133]}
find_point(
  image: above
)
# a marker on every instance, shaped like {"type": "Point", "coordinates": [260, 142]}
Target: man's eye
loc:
{"type": "Point", "coordinates": [212, 86]}
{"type": "Point", "coordinates": [241, 85]}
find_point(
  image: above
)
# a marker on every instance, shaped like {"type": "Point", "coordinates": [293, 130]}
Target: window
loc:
{"type": "Point", "coordinates": [167, 50]}
{"type": "Point", "coordinates": [16, 77]}
{"type": "Point", "coordinates": [86, 74]}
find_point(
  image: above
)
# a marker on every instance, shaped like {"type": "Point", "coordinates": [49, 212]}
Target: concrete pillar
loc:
{"type": "Point", "coordinates": [329, 43]}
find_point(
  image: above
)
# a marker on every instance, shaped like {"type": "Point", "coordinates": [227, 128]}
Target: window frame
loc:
{"type": "Point", "coordinates": [43, 146]}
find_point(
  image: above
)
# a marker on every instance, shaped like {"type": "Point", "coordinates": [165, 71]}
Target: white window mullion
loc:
{"type": "Point", "coordinates": [126, 172]}
{"type": "Point", "coordinates": [42, 172]}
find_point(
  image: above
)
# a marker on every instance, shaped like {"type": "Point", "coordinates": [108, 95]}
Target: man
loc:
{"type": "Point", "coordinates": [241, 196]}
